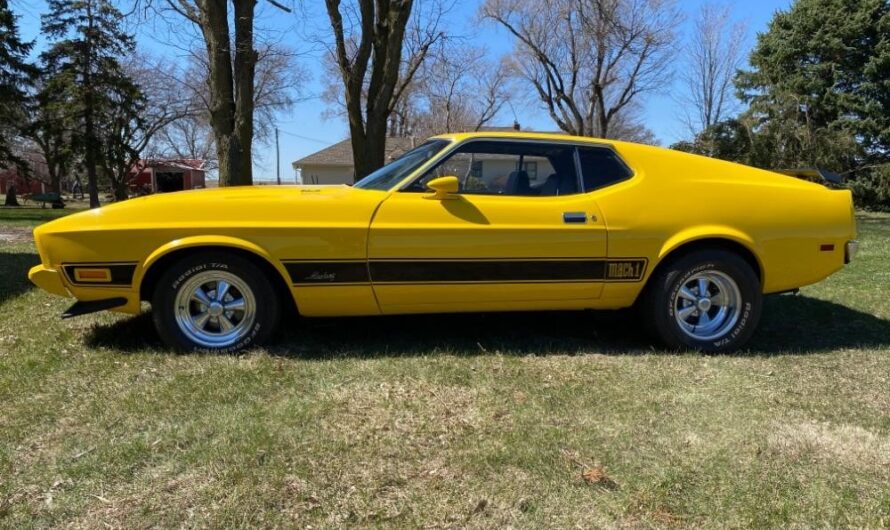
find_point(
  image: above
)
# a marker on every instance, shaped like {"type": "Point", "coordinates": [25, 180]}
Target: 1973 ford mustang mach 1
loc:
{"type": "Point", "coordinates": [463, 222]}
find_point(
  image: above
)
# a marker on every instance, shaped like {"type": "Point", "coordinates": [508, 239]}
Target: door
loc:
{"type": "Point", "coordinates": [517, 235]}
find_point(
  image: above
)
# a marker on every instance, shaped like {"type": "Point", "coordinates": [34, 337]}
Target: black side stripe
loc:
{"type": "Point", "coordinates": [121, 273]}
{"type": "Point", "coordinates": [494, 271]}
{"type": "Point", "coordinates": [407, 271]}
{"type": "Point", "coordinates": [327, 272]}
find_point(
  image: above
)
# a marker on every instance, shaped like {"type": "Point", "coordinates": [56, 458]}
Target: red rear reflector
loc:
{"type": "Point", "coordinates": [827, 248]}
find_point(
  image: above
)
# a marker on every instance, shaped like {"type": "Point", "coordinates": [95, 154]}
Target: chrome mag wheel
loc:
{"type": "Point", "coordinates": [215, 309]}
{"type": "Point", "coordinates": [706, 307]}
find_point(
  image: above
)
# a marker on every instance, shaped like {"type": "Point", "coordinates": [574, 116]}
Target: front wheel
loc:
{"type": "Point", "coordinates": [214, 301]}
{"type": "Point", "coordinates": [707, 300]}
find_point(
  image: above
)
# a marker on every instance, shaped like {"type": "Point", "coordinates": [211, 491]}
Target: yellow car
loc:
{"type": "Point", "coordinates": [463, 222]}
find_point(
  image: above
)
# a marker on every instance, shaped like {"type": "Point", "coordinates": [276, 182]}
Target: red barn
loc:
{"type": "Point", "coordinates": [38, 177]}
{"type": "Point", "coordinates": [10, 177]}
{"type": "Point", "coordinates": [162, 175]}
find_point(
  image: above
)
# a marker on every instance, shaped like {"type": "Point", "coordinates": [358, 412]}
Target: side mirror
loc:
{"type": "Point", "coordinates": [443, 187]}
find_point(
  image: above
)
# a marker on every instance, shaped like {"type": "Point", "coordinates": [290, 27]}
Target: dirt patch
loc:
{"type": "Point", "coordinates": [11, 234]}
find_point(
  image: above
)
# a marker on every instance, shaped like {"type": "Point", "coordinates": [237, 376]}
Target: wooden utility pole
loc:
{"type": "Point", "coordinates": [277, 159]}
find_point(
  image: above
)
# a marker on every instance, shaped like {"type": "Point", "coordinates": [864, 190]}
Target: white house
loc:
{"type": "Point", "coordinates": [333, 164]}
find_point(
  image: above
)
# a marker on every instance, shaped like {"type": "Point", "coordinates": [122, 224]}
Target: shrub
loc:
{"type": "Point", "coordinates": [871, 190]}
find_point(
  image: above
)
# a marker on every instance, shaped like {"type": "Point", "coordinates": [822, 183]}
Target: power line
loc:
{"type": "Point", "coordinates": [307, 138]}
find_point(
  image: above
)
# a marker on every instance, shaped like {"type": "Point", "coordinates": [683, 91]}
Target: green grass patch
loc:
{"type": "Point", "coordinates": [30, 216]}
{"type": "Point", "coordinates": [484, 421]}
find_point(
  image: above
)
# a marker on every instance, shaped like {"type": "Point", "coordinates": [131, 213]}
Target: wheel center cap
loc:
{"type": "Point", "coordinates": [703, 304]}
{"type": "Point", "coordinates": [215, 309]}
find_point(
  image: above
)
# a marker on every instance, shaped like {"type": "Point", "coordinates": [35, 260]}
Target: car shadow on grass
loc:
{"type": "Point", "coordinates": [791, 324]}
{"type": "Point", "coordinates": [14, 273]}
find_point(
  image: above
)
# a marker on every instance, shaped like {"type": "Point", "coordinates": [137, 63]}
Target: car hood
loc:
{"type": "Point", "coordinates": [229, 207]}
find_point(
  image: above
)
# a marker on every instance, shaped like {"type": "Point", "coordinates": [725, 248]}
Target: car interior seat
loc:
{"type": "Point", "coordinates": [518, 183]}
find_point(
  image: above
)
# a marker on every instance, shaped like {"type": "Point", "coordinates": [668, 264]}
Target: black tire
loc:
{"type": "Point", "coordinates": [178, 276]}
{"type": "Point", "coordinates": [661, 299]}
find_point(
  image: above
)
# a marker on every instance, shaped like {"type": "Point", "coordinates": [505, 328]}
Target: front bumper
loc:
{"type": "Point", "coordinates": [850, 250]}
{"type": "Point", "coordinates": [50, 280]}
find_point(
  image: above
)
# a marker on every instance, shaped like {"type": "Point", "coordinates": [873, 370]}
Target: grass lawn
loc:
{"type": "Point", "coordinates": [30, 216]}
{"type": "Point", "coordinates": [528, 421]}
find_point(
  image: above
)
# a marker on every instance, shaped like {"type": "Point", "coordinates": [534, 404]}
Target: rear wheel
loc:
{"type": "Point", "coordinates": [707, 300]}
{"type": "Point", "coordinates": [214, 301]}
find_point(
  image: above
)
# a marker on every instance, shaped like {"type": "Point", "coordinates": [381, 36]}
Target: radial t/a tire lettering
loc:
{"type": "Point", "coordinates": [214, 301]}
{"type": "Point", "coordinates": [707, 300]}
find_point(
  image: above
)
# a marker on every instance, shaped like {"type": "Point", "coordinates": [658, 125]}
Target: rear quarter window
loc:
{"type": "Point", "coordinates": [601, 167]}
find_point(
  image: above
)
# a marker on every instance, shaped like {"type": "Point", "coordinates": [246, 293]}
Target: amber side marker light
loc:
{"type": "Point", "coordinates": [92, 275]}
{"type": "Point", "coordinates": [826, 248]}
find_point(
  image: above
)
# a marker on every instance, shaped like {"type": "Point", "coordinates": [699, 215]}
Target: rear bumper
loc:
{"type": "Point", "coordinates": [850, 250]}
{"type": "Point", "coordinates": [50, 280]}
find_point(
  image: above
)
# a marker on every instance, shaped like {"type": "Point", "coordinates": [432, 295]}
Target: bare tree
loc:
{"type": "Point", "coordinates": [232, 66]}
{"type": "Point", "coordinates": [630, 125]}
{"type": "Point", "coordinates": [377, 53]}
{"type": "Point", "coordinates": [588, 60]}
{"type": "Point", "coordinates": [277, 87]}
{"type": "Point", "coordinates": [714, 54]}
{"type": "Point", "coordinates": [130, 126]}
{"type": "Point", "coordinates": [278, 80]}
{"type": "Point", "coordinates": [459, 89]}
{"type": "Point", "coordinates": [189, 137]}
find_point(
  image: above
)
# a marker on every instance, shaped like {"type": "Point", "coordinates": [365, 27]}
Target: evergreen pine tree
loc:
{"type": "Point", "coordinates": [87, 41]}
{"type": "Point", "coordinates": [14, 74]}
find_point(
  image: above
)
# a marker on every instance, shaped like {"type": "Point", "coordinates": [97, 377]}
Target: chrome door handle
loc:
{"type": "Point", "coordinates": [574, 217]}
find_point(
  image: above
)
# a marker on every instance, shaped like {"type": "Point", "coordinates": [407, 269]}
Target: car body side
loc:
{"type": "Point", "coordinates": [787, 224]}
{"type": "Point", "coordinates": [791, 230]}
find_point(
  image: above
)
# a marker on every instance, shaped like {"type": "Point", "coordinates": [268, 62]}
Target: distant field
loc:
{"type": "Point", "coordinates": [565, 420]}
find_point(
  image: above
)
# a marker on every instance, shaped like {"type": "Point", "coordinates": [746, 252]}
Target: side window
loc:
{"type": "Point", "coordinates": [508, 168]}
{"type": "Point", "coordinates": [601, 167]}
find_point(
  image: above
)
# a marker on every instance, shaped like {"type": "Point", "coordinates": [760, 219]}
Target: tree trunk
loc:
{"type": "Point", "coordinates": [55, 182]}
{"type": "Point", "coordinates": [244, 69]}
{"type": "Point", "coordinates": [77, 189]}
{"type": "Point", "coordinates": [369, 148]}
{"type": "Point", "coordinates": [10, 197]}
{"type": "Point", "coordinates": [377, 58]}
{"type": "Point", "coordinates": [90, 153]}
{"type": "Point", "coordinates": [90, 158]}
{"type": "Point", "coordinates": [231, 92]}
{"type": "Point", "coordinates": [121, 191]}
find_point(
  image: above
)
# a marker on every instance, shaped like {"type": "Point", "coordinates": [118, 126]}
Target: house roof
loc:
{"type": "Point", "coordinates": [340, 154]}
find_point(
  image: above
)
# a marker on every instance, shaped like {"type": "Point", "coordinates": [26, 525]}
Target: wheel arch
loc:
{"type": "Point", "coordinates": [157, 262]}
{"type": "Point", "coordinates": [721, 238]}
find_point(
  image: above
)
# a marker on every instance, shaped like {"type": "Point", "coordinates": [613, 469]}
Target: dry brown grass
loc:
{"type": "Point", "coordinates": [844, 446]}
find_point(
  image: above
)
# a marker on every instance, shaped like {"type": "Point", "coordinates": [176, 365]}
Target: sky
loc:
{"type": "Point", "coordinates": [308, 128]}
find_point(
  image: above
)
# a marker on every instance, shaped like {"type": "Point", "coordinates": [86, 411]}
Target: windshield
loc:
{"type": "Point", "coordinates": [390, 174]}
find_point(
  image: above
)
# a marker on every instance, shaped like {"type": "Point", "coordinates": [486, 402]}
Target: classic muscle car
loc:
{"type": "Point", "coordinates": [463, 222]}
